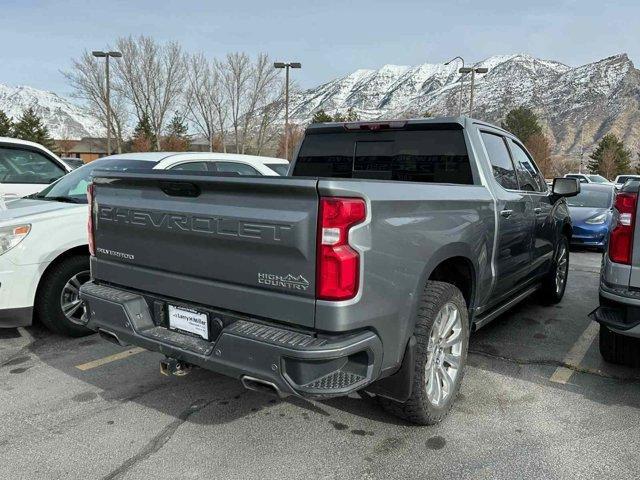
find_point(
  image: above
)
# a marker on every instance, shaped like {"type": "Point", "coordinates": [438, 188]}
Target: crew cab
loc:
{"type": "Point", "coordinates": [365, 269]}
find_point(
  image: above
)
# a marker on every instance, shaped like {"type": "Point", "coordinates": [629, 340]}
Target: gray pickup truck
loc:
{"type": "Point", "coordinates": [619, 310]}
{"type": "Point", "coordinates": [365, 269]}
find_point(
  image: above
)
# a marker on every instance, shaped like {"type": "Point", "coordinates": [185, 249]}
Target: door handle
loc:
{"type": "Point", "coordinates": [506, 213]}
{"type": "Point", "coordinates": [537, 210]}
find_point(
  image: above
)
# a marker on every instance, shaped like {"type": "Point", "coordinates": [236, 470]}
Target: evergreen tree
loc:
{"type": "Point", "coordinates": [338, 117]}
{"type": "Point", "coordinates": [143, 138]}
{"type": "Point", "coordinates": [427, 114]}
{"type": "Point", "coordinates": [31, 127]}
{"type": "Point", "coordinates": [176, 138]}
{"type": "Point", "coordinates": [6, 125]}
{"type": "Point", "coordinates": [320, 116]}
{"type": "Point", "coordinates": [352, 116]}
{"type": "Point", "coordinates": [610, 158]}
{"type": "Point", "coordinates": [522, 122]}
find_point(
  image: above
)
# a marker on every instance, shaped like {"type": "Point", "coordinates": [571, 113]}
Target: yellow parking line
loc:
{"type": "Point", "coordinates": [111, 358]}
{"type": "Point", "coordinates": [576, 354]}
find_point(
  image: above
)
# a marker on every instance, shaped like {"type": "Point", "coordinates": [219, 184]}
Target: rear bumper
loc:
{"type": "Point", "coordinates": [296, 363]}
{"type": "Point", "coordinates": [618, 312]}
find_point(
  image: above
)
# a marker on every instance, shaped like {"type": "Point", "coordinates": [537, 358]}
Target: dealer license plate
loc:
{"type": "Point", "coordinates": [189, 320]}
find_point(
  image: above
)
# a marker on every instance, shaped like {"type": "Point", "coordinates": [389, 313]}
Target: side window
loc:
{"type": "Point", "coordinates": [235, 167]}
{"type": "Point", "coordinates": [191, 166]}
{"type": "Point", "coordinates": [501, 164]}
{"type": "Point", "coordinates": [528, 175]}
{"type": "Point", "coordinates": [26, 166]}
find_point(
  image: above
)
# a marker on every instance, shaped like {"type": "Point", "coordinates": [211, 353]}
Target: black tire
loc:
{"type": "Point", "coordinates": [619, 349]}
{"type": "Point", "coordinates": [48, 308]}
{"type": "Point", "coordinates": [549, 293]}
{"type": "Point", "coordinates": [418, 408]}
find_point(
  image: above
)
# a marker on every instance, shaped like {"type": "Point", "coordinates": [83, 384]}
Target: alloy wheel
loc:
{"type": "Point", "coordinates": [72, 305]}
{"type": "Point", "coordinates": [561, 268]}
{"type": "Point", "coordinates": [444, 354]}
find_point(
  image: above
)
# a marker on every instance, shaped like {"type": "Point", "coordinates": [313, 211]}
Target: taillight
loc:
{"type": "Point", "coordinates": [92, 246]}
{"type": "Point", "coordinates": [621, 236]}
{"type": "Point", "coordinates": [338, 268]}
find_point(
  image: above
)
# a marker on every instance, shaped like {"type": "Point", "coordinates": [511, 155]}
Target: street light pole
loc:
{"type": "Point", "coordinates": [461, 82]}
{"type": "Point", "coordinates": [286, 66]}
{"type": "Point", "coordinates": [107, 55]}
{"type": "Point", "coordinates": [473, 76]}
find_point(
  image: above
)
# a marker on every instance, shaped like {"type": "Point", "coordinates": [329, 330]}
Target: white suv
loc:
{"type": "Point", "coordinates": [43, 238]}
{"type": "Point", "coordinates": [27, 167]}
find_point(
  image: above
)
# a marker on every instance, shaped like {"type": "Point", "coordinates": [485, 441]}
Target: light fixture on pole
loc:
{"type": "Point", "coordinates": [286, 66]}
{"type": "Point", "coordinates": [472, 71]}
{"type": "Point", "coordinates": [461, 82]}
{"type": "Point", "coordinates": [106, 56]}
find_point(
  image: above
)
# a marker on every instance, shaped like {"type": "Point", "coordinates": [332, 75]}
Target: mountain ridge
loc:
{"type": "Point", "coordinates": [577, 105]}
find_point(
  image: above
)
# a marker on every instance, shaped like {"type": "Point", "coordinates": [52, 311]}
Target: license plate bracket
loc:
{"type": "Point", "coordinates": [188, 320]}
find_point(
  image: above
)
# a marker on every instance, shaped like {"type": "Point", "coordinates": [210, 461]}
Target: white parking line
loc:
{"type": "Point", "coordinates": [111, 358]}
{"type": "Point", "coordinates": [576, 354]}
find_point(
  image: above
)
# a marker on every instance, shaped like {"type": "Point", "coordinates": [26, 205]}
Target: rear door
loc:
{"type": "Point", "coordinates": [515, 219]}
{"type": "Point", "coordinates": [243, 244]}
{"type": "Point", "coordinates": [532, 183]}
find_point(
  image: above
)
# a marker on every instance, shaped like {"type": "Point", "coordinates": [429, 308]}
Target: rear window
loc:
{"type": "Point", "coordinates": [430, 156]}
{"type": "Point", "coordinates": [601, 198]}
{"type": "Point", "coordinates": [279, 168]}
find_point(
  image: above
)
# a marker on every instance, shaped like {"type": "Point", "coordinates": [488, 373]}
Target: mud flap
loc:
{"type": "Point", "coordinates": [398, 386]}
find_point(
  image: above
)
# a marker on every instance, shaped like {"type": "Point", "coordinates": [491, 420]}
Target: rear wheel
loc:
{"type": "Point", "coordinates": [619, 349]}
{"type": "Point", "coordinates": [442, 334]}
{"type": "Point", "coordinates": [555, 283]}
{"type": "Point", "coordinates": [58, 303]}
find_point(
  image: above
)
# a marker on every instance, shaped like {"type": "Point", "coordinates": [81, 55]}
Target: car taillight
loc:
{"type": "Point", "coordinates": [621, 236]}
{"type": "Point", "coordinates": [92, 246]}
{"type": "Point", "coordinates": [338, 267]}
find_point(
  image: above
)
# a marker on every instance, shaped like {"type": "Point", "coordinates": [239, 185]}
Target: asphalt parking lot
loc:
{"type": "Point", "coordinates": [537, 402]}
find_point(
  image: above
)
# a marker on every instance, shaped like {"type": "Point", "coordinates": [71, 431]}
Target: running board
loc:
{"type": "Point", "coordinates": [485, 319]}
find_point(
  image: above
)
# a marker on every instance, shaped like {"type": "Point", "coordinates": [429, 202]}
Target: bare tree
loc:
{"type": "Point", "coordinates": [206, 102]}
{"type": "Point", "coordinates": [261, 106]}
{"type": "Point", "coordinates": [87, 79]}
{"type": "Point", "coordinates": [538, 146]}
{"type": "Point", "coordinates": [235, 73]}
{"type": "Point", "coordinates": [151, 77]}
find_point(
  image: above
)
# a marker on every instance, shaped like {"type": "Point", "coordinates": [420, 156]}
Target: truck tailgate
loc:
{"type": "Point", "coordinates": [237, 243]}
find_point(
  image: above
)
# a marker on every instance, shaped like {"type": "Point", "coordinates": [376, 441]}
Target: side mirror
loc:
{"type": "Point", "coordinates": [565, 187]}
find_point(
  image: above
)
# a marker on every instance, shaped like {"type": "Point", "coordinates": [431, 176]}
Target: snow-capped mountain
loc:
{"type": "Point", "coordinates": [64, 119]}
{"type": "Point", "coordinates": [577, 105]}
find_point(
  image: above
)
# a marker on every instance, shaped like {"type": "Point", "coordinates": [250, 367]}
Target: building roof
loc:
{"type": "Point", "coordinates": [90, 145]}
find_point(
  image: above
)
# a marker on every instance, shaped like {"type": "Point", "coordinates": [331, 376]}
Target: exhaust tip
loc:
{"type": "Point", "coordinates": [111, 337]}
{"type": "Point", "coordinates": [263, 386]}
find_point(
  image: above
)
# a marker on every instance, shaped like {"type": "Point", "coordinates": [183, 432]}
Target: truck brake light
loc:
{"type": "Point", "coordinates": [338, 265]}
{"type": "Point", "coordinates": [92, 245]}
{"type": "Point", "coordinates": [621, 236]}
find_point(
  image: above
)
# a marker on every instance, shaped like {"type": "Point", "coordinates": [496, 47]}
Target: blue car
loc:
{"type": "Point", "coordinates": [591, 212]}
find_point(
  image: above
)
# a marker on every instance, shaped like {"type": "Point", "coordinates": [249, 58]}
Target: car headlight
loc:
{"type": "Point", "coordinates": [597, 220]}
{"type": "Point", "coordinates": [12, 236]}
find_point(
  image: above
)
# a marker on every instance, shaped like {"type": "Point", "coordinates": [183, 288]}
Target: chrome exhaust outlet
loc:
{"type": "Point", "coordinates": [111, 337]}
{"type": "Point", "coordinates": [262, 386]}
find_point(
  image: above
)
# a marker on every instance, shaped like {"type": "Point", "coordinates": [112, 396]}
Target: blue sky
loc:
{"type": "Point", "coordinates": [329, 37]}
